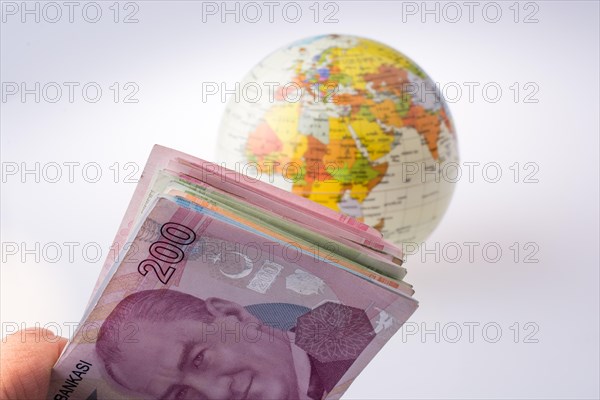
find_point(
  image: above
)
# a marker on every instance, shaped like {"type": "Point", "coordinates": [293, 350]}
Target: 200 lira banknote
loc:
{"type": "Point", "coordinates": [205, 303]}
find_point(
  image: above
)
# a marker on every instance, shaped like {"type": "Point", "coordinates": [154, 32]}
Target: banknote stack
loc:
{"type": "Point", "coordinates": [226, 287]}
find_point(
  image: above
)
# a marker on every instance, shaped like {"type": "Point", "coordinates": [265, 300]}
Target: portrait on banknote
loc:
{"type": "Point", "coordinates": [186, 347]}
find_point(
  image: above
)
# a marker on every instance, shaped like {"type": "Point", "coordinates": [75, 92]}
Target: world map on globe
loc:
{"type": "Point", "coordinates": [349, 123]}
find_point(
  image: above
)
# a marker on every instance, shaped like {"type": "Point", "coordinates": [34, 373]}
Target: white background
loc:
{"type": "Point", "coordinates": [170, 51]}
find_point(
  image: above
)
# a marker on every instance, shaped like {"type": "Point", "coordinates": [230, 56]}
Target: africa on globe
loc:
{"type": "Point", "coordinates": [349, 123]}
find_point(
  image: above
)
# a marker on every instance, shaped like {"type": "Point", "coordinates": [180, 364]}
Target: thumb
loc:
{"type": "Point", "coordinates": [26, 360]}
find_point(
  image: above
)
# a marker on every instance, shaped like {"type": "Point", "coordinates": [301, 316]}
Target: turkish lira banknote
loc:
{"type": "Point", "coordinates": [211, 297]}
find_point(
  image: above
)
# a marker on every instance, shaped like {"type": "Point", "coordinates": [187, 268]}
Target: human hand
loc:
{"type": "Point", "coordinates": [26, 360]}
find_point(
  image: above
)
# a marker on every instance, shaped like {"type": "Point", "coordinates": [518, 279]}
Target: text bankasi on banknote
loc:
{"type": "Point", "coordinates": [209, 300]}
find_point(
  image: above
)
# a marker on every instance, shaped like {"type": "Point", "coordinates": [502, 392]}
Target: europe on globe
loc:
{"type": "Point", "coordinates": [352, 124]}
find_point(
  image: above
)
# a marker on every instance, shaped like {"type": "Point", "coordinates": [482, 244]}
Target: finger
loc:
{"type": "Point", "coordinates": [26, 359]}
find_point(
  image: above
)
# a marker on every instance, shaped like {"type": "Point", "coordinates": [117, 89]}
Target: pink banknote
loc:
{"type": "Point", "coordinates": [201, 306]}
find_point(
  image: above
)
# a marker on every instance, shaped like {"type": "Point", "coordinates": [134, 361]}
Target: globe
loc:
{"type": "Point", "coordinates": [349, 123]}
